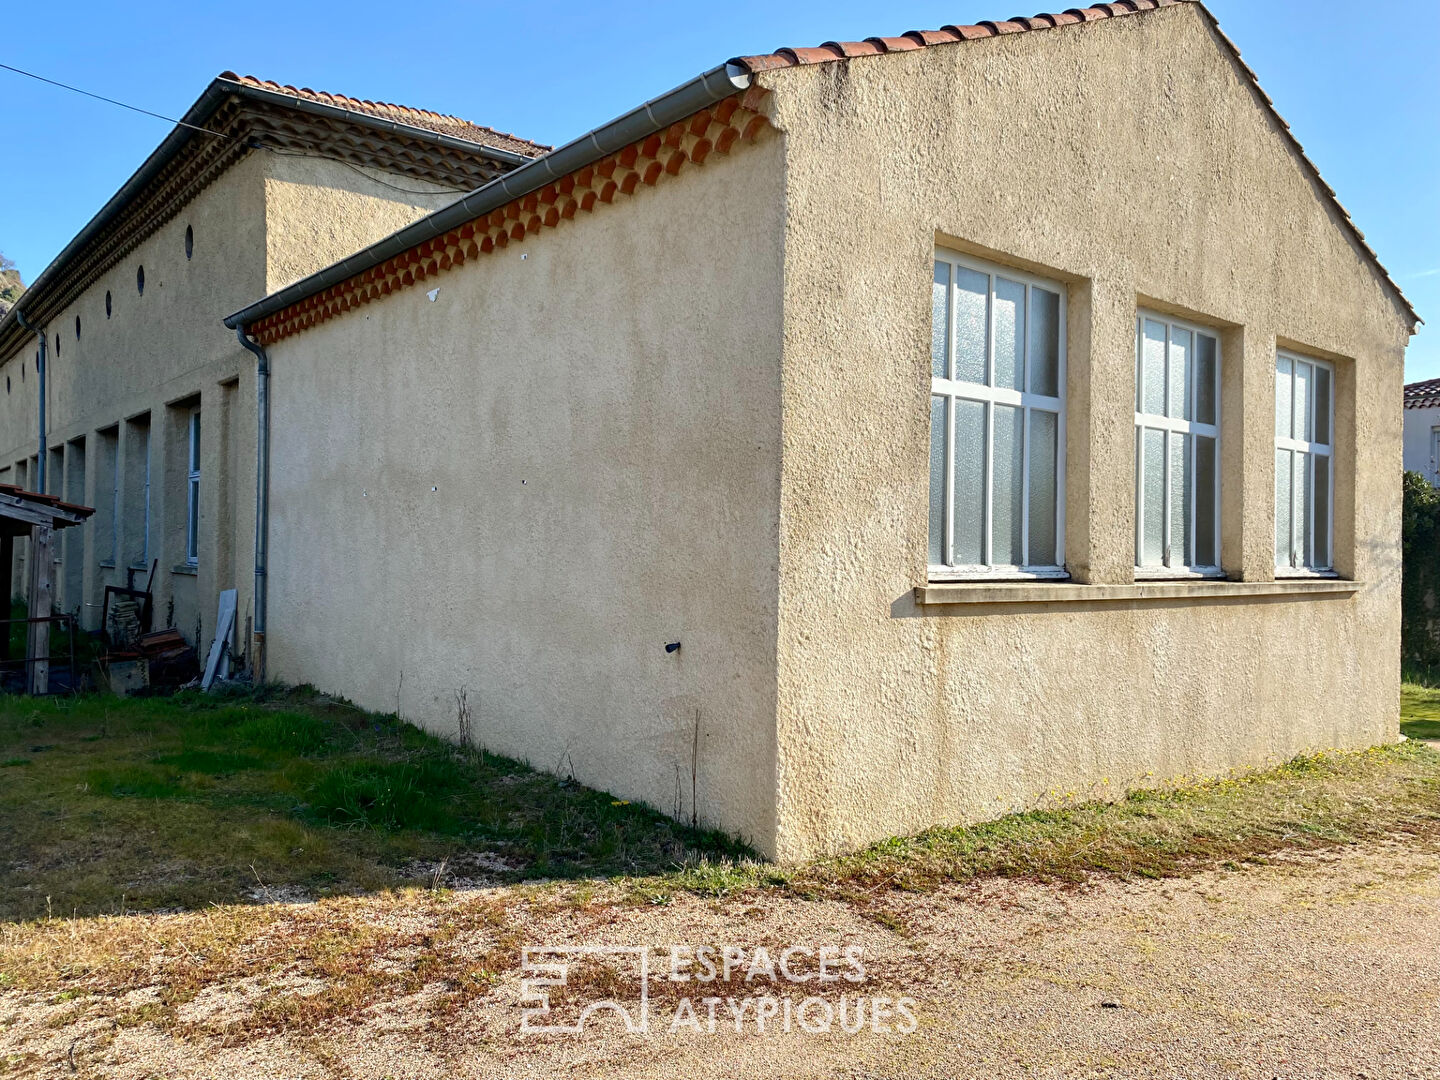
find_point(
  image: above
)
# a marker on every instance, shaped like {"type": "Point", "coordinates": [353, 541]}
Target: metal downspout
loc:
{"type": "Point", "coordinates": [39, 482]}
{"type": "Point", "coordinates": [262, 497]}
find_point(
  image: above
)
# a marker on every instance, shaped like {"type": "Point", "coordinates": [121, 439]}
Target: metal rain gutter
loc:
{"type": "Point", "coordinates": [655, 115]}
{"type": "Point", "coordinates": [262, 504]}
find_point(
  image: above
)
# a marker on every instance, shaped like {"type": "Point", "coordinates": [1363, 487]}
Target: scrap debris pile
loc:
{"type": "Point", "coordinates": [138, 658]}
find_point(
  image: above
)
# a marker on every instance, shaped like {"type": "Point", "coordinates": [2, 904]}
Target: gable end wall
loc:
{"type": "Point", "coordinates": [1132, 159]}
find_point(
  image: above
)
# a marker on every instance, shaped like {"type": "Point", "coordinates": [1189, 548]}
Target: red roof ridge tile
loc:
{"type": "Point", "coordinates": [440, 123]}
{"type": "Point", "coordinates": [832, 51]}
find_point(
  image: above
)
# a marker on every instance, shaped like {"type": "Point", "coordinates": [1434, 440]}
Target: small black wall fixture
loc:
{"type": "Point", "coordinates": [672, 646]}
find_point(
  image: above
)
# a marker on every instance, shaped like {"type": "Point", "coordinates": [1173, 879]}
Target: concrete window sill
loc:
{"type": "Point", "coordinates": [184, 568]}
{"type": "Point", "coordinates": [106, 565]}
{"type": "Point", "coordinates": [1195, 590]}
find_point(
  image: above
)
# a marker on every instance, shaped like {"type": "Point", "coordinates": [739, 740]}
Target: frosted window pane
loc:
{"type": "Point", "coordinates": [1302, 507]}
{"type": "Point", "coordinates": [1321, 527]}
{"type": "Point", "coordinates": [1182, 374]}
{"type": "Point", "coordinates": [1282, 508]}
{"type": "Point", "coordinates": [938, 415]}
{"type": "Point", "coordinates": [1007, 501]}
{"type": "Point", "coordinates": [940, 321]}
{"type": "Point", "coordinates": [972, 324]}
{"type": "Point", "coordinates": [1009, 334]}
{"type": "Point", "coordinates": [1206, 484]}
{"type": "Point", "coordinates": [969, 512]}
{"type": "Point", "coordinates": [1044, 429]}
{"type": "Point", "coordinates": [1322, 405]}
{"type": "Point", "coordinates": [1282, 397]}
{"type": "Point", "coordinates": [1152, 491]}
{"type": "Point", "coordinates": [1152, 369]}
{"type": "Point", "coordinates": [1304, 374]}
{"type": "Point", "coordinates": [1044, 342]}
{"type": "Point", "coordinates": [1205, 378]}
{"type": "Point", "coordinates": [1180, 485]}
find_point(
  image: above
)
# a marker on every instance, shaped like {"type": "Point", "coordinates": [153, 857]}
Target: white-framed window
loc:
{"type": "Point", "coordinates": [997, 422]}
{"type": "Point", "coordinates": [1177, 448]}
{"type": "Point", "coordinates": [1435, 455]}
{"type": "Point", "coordinates": [192, 502]}
{"type": "Point", "coordinates": [1304, 464]}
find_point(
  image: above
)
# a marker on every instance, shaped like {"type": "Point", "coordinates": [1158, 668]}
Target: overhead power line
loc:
{"type": "Point", "coordinates": [253, 143]}
{"type": "Point", "coordinates": [111, 101]}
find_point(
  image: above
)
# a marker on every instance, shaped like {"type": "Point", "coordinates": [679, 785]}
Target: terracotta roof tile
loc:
{"type": "Point", "coordinates": [947, 35]}
{"type": "Point", "coordinates": [712, 131]}
{"type": "Point", "coordinates": [401, 114]}
{"type": "Point", "coordinates": [855, 48]}
{"type": "Point", "coordinates": [1422, 395]}
{"type": "Point", "coordinates": [894, 44]}
{"type": "Point", "coordinates": [793, 57]}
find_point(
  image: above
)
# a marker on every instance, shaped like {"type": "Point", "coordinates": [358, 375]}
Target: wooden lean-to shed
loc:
{"type": "Point", "coordinates": [31, 514]}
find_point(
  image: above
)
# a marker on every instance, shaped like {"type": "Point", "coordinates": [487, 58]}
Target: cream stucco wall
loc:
{"type": "Point", "coordinates": [265, 221]}
{"type": "Point", "coordinates": [155, 351]}
{"type": "Point", "coordinates": [1130, 159]}
{"type": "Point", "coordinates": [320, 210]}
{"type": "Point", "coordinates": [525, 488]}
{"type": "Point", "coordinates": [701, 414]}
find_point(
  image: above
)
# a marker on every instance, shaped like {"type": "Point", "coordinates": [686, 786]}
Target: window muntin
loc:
{"type": "Point", "coordinates": [192, 502]}
{"type": "Point", "coordinates": [1177, 447]}
{"type": "Point", "coordinates": [1304, 465]}
{"type": "Point", "coordinates": [997, 422]}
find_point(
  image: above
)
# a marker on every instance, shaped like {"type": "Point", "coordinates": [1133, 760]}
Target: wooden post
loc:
{"type": "Point", "coordinates": [7, 590]}
{"type": "Point", "coordinates": [42, 573]}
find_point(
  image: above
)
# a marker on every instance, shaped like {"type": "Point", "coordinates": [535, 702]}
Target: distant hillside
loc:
{"type": "Point", "coordinates": [10, 284]}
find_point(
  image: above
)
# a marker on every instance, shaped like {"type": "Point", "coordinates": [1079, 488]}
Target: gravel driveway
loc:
{"type": "Point", "coordinates": [1309, 967]}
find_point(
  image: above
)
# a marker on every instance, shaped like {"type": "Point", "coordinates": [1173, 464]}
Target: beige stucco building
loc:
{"type": "Point", "coordinates": [1422, 429]}
{"type": "Point", "coordinates": [859, 438]}
{"type": "Point", "coordinates": [260, 185]}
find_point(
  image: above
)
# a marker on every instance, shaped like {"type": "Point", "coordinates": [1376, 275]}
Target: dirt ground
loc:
{"type": "Point", "coordinates": [1315, 966]}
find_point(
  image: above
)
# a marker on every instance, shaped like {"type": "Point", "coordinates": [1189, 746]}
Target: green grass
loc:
{"type": "Point", "coordinates": [109, 805]}
{"type": "Point", "coordinates": [190, 801]}
{"type": "Point", "coordinates": [138, 804]}
{"type": "Point", "coordinates": [1311, 802]}
{"type": "Point", "coordinates": [1420, 706]}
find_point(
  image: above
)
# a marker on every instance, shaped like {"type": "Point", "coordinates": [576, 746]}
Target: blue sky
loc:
{"type": "Point", "coordinates": [1359, 84]}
